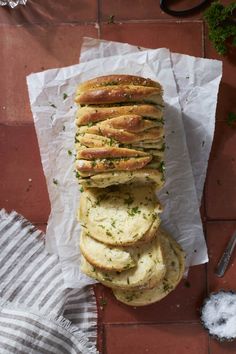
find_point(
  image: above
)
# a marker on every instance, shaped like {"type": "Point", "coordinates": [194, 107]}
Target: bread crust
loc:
{"type": "Point", "coordinates": [113, 80]}
{"type": "Point", "coordinates": [93, 140]}
{"type": "Point", "coordinates": [123, 136]}
{"type": "Point", "coordinates": [175, 263]}
{"type": "Point", "coordinates": [132, 123]}
{"type": "Point", "coordinates": [105, 257]}
{"type": "Point", "coordinates": [120, 94]}
{"type": "Point", "coordinates": [108, 152]}
{"type": "Point", "coordinates": [86, 115]}
{"type": "Point", "coordinates": [138, 177]}
{"type": "Point", "coordinates": [129, 164]}
{"type": "Point", "coordinates": [148, 272]}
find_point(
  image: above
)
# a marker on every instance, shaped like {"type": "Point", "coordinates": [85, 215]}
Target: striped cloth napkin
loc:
{"type": "Point", "coordinates": [38, 314]}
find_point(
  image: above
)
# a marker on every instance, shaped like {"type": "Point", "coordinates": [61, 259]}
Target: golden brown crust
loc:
{"type": "Point", "coordinates": [113, 80]}
{"type": "Point", "coordinates": [93, 140]}
{"type": "Point", "coordinates": [130, 164]}
{"type": "Point", "coordinates": [108, 152]}
{"type": "Point", "coordinates": [120, 94]}
{"type": "Point", "coordinates": [132, 123]}
{"type": "Point", "coordinates": [86, 115]}
{"type": "Point", "coordinates": [123, 136]}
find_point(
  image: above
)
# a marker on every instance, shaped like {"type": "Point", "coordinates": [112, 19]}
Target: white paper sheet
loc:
{"type": "Point", "coordinates": [54, 114]}
{"type": "Point", "coordinates": [197, 81]}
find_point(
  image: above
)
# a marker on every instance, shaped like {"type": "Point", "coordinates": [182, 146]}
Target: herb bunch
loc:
{"type": "Point", "coordinates": [222, 25]}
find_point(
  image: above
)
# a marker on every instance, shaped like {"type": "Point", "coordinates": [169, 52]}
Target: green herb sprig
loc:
{"type": "Point", "coordinates": [231, 119]}
{"type": "Point", "coordinates": [222, 25]}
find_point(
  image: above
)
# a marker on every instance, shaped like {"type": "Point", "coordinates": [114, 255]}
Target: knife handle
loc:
{"type": "Point", "coordinates": [224, 261]}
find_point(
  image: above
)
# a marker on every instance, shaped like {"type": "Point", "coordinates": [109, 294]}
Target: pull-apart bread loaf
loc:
{"type": "Point", "coordinates": [119, 131]}
{"type": "Point", "coordinates": [119, 164]}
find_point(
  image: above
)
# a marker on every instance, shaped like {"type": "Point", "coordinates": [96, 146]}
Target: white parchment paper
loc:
{"type": "Point", "coordinates": [197, 81]}
{"type": "Point", "coordinates": [51, 96]}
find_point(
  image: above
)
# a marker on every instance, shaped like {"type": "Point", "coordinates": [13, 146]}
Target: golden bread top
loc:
{"type": "Point", "coordinates": [118, 89]}
{"type": "Point", "coordinates": [119, 94]}
{"type": "Point", "coordinates": [113, 80]}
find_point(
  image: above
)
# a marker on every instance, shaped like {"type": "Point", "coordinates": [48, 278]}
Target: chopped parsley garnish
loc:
{"type": "Point", "coordinates": [154, 216]}
{"type": "Point", "coordinates": [161, 167]}
{"type": "Point", "coordinates": [69, 152]}
{"type": "Point", "coordinates": [110, 83]}
{"type": "Point", "coordinates": [113, 223]}
{"type": "Point", "coordinates": [63, 128]}
{"type": "Point", "coordinates": [134, 211]}
{"type": "Point", "coordinates": [102, 226]}
{"type": "Point", "coordinates": [129, 200]}
{"type": "Point", "coordinates": [52, 105]}
{"type": "Point", "coordinates": [111, 19]}
{"type": "Point", "coordinates": [167, 287]}
{"type": "Point", "coordinates": [65, 96]}
{"type": "Point", "coordinates": [231, 119]}
{"type": "Point", "coordinates": [108, 233]}
{"type": "Point", "coordinates": [111, 142]}
{"type": "Point", "coordinates": [103, 302]}
{"type": "Point", "coordinates": [81, 189]}
{"type": "Point", "coordinates": [55, 181]}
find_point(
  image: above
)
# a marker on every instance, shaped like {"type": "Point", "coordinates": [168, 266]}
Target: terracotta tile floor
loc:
{"type": "Point", "coordinates": [47, 34]}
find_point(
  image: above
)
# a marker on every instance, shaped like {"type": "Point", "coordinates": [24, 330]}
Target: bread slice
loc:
{"type": "Point", "coordinates": [150, 269]}
{"type": "Point", "coordinates": [139, 177]}
{"type": "Point", "coordinates": [108, 152]}
{"type": "Point", "coordinates": [132, 123]}
{"type": "Point", "coordinates": [104, 165]}
{"type": "Point", "coordinates": [119, 215]}
{"type": "Point", "coordinates": [175, 266]}
{"type": "Point", "coordinates": [105, 257]}
{"type": "Point", "coordinates": [90, 115]}
{"type": "Point", "coordinates": [123, 136]}
{"type": "Point", "coordinates": [93, 140]}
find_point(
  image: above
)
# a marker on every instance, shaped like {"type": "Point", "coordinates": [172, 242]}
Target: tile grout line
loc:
{"type": "Point", "coordinates": [87, 23]}
{"type": "Point", "coordinates": [151, 21]}
{"type": "Point", "coordinates": [47, 24]}
{"type": "Point", "coordinates": [208, 220]}
{"type": "Point", "coordinates": [103, 340]}
{"type": "Point", "coordinates": [99, 19]}
{"type": "Point", "coordinates": [129, 324]}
